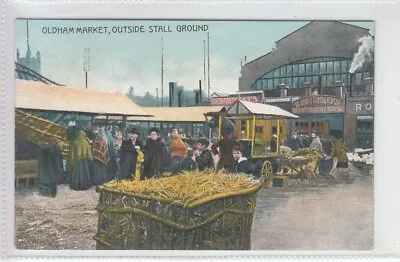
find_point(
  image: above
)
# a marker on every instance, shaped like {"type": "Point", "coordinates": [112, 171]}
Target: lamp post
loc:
{"type": "Point", "coordinates": [86, 64]}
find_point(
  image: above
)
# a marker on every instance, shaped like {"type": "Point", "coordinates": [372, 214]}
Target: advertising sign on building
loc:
{"type": "Point", "coordinates": [318, 105]}
{"type": "Point", "coordinates": [360, 106]}
{"type": "Point", "coordinates": [232, 98]}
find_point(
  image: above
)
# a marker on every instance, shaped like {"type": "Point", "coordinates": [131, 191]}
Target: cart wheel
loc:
{"type": "Point", "coordinates": [266, 173]}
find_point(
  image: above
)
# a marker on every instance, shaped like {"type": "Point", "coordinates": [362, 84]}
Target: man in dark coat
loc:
{"type": "Point", "coordinates": [128, 155]}
{"type": "Point", "coordinates": [155, 156]}
{"type": "Point", "coordinates": [242, 165]}
{"type": "Point", "coordinates": [203, 155]}
{"type": "Point", "coordinates": [224, 148]}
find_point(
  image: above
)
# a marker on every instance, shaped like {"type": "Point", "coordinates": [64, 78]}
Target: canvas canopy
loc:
{"type": "Point", "coordinates": [243, 109]}
{"type": "Point", "coordinates": [35, 95]}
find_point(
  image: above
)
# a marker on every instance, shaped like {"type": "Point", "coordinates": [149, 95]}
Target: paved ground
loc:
{"type": "Point", "coordinates": [305, 216]}
{"type": "Point", "coordinates": [316, 216]}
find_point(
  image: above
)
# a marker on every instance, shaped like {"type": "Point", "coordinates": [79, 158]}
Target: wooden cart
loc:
{"type": "Point", "coordinates": [265, 163]}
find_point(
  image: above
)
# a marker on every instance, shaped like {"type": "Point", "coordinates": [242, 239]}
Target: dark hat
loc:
{"type": "Point", "coordinates": [135, 131]}
{"type": "Point", "coordinates": [203, 141]}
{"type": "Point", "coordinates": [238, 148]}
{"type": "Point", "coordinates": [154, 129]}
{"type": "Point", "coordinates": [228, 131]}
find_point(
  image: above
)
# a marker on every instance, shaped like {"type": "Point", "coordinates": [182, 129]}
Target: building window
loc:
{"type": "Point", "coordinates": [315, 80]}
{"type": "Point", "coordinates": [330, 80]}
{"type": "Point", "coordinates": [309, 79]}
{"type": "Point", "coordinates": [345, 79]}
{"type": "Point", "coordinates": [302, 80]}
{"type": "Point", "coordinates": [316, 68]}
{"type": "Point", "coordinates": [302, 69]}
{"type": "Point", "coordinates": [337, 68]}
{"type": "Point", "coordinates": [323, 81]}
{"type": "Point", "coordinates": [358, 78]}
{"type": "Point", "coordinates": [259, 129]}
{"type": "Point", "coordinates": [322, 68]}
{"type": "Point", "coordinates": [329, 66]}
{"type": "Point", "coordinates": [289, 82]}
{"type": "Point", "coordinates": [276, 82]}
{"type": "Point", "coordinates": [283, 71]}
{"type": "Point", "coordinates": [344, 65]}
{"type": "Point", "coordinates": [338, 78]}
{"type": "Point", "coordinates": [295, 70]}
{"type": "Point", "coordinates": [270, 83]}
{"type": "Point", "coordinates": [295, 82]}
{"type": "Point", "coordinates": [277, 72]}
{"type": "Point", "coordinates": [309, 69]}
{"type": "Point", "coordinates": [289, 70]}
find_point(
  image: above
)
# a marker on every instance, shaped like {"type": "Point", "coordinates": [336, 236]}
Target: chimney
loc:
{"type": "Point", "coordinates": [369, 85]}
{"type": "Point", "coordinates": [307, 89]}
{"type": "Point", "coordinates": [196, 97]}
{"type": "Point", "coordinates": [283, 88]}
{"type": "Point", "coordinates": [180, 98]}
{"type": "Point", "coordinates": [351, 85]}
{"type": "Point", "coordinates": [171, 93]}
{"type": "Point", "coordinates": [200, 93]}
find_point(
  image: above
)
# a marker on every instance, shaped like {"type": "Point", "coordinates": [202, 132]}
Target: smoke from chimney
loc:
{"type": "Point", "coordinates": [364, 51]}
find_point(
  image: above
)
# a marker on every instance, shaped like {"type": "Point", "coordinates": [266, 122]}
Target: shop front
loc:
{"type": "Point", "coordinates": [322, 114]}
{"type": "Point", "coordinates": [359, 122]}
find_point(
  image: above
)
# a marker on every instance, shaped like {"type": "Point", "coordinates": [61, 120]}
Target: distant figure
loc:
{"type": "Point", "coordinates": [79, 159]}
{"type": "Point", "coordinates": [189, 163]}
{"type": "Point", "coordinates": [316, 143]}
{"type": "Point", "coordinates": [128, 154]}
{"type": "Point", "coordinates": [155, 155]}
{"type": "Point", "coordinates": [224, 148]}
{"type": "Point", "coordinates": [274, 144]}
{"type": "Point", "coordinates": [295, 142]}
{"type": "Point", "coordinates": [178, 151]}
{"type": "Point", "coordinates": [242, 165]}
{"type": "Point", "coordinates": [100, 158]}
{"type": "Point", "coordinates": [203, 155]}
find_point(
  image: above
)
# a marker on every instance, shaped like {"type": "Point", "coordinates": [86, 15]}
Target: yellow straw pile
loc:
{"type": "Point", "coordinates": [188, 187]}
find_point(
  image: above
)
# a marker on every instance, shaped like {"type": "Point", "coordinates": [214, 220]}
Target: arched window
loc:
{"type": "Point", "coordinates": [325, 72]}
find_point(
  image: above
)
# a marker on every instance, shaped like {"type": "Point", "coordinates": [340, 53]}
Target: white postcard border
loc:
{"type": "Point", "coordinates": [387, 95]}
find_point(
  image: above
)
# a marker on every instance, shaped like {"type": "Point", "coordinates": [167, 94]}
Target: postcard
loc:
{"type": "Point", "coordinates": [194, 135]}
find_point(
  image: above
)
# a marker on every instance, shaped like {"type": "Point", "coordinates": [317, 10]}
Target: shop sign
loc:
{"type": "Point", "coordinates": [318, 105]}
{"type": "Point", "coordinates": [360, 107]}
{"type": "Point", "coordinates": [231, 99]}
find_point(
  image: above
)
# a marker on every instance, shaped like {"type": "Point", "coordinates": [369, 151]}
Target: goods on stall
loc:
{"type": "Point", "coordinates": [194, 210]}
{"type": "Point", "coordinates": [40, 132]}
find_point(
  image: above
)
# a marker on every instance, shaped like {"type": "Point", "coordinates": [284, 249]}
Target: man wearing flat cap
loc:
{"type": "Point", "coordinates": [128, 154]}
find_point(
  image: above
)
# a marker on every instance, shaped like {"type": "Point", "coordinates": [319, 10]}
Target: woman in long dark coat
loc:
{"type": "Point", "coordinates": [155, 156]}
{"type": "Point", "coordinates": [128, 155]}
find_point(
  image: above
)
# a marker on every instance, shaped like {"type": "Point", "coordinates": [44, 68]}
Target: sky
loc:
{"type": "Point", "coordinates": [120, 59]}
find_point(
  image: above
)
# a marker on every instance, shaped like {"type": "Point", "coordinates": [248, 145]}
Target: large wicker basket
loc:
{"type": "Point", "coordinates": [219, 222]}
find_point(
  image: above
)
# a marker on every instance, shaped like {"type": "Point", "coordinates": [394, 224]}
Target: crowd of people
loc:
{"type": "Point", "coordinates": [96, 157]}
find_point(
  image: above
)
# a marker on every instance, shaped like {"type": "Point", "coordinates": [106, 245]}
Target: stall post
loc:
{"type": "Point", "coordinates": [253, 135]}
{"type": "Point", "coordinates": [247, 129]}
{"type": "Point", "coordinates": [278, 136]}
{"type": "Point", "coordinates": [219, 126]}
{"type": "Point", "coordinates": [124, 120]}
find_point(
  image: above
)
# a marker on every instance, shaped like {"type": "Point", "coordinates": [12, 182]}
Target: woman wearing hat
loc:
{"type": "Point", "coordinates": [155, 155]}
{"type": "Point", "coordinates": [128, 154]}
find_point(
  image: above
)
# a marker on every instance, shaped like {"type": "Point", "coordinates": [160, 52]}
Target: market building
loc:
{"type": "Point", "coordinates": [310, 74]}
{"type": "Point", "coordinates": [359, 119]}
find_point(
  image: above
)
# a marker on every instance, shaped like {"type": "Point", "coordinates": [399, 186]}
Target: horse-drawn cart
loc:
{"type": "Point", "coordinates": [265, 162]}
